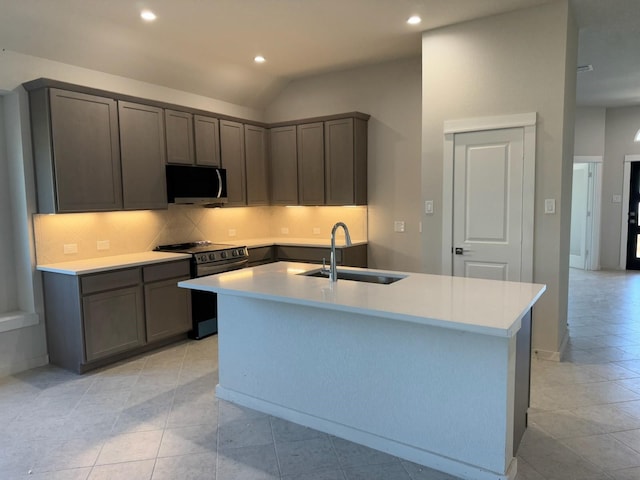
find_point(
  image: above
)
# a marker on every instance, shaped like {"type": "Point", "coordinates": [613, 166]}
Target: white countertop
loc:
{"type": "Point", "coordinates": [480, 306]}
{"type": "Point", "coordinates": [93, 265]}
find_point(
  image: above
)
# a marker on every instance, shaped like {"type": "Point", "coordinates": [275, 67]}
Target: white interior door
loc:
{"type": "Point", "coordinates": [579, 216]}
{"type": "Point", "coordinates": [488, 204]}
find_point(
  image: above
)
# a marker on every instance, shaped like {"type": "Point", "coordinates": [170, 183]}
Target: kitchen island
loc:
{"type": "Point", "coordinates": [430, 368]}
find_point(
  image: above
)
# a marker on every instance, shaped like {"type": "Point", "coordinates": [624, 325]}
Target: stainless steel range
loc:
{"type": "Point", "coordinates": [208, 259]}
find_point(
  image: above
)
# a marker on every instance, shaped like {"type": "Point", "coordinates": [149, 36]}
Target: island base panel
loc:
{"type": "Point", "coordinates": [439, 397]}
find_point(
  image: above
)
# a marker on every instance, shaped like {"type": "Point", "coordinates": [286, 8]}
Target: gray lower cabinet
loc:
{"type": "Point", "coordinates": [284, 165]}
{"type": "Point", "coordinates": [260, 255]}
{"type": "Point", "coordinates": [311, 182]}
{"type": "Point", "coordinates": [76, 151]}
{"type": "Point", "coordinates": [207, 140]}
{"type": "Point", "coordinates": [179, 136]}
{"type": "Point", "coordinates": [168, 307]}
{"type": "Point", "coordinates": [96, 319]}
{"type": "Point", "coordinates": [232, 159]}
{"type": "Point", "coordinates": [143, 153]}
{"type": "Point", "coordinates": [113, 322]}
{"type": "Point", "coordinates": [257, 165]}
{"type": "Point", "coordinates": [354, 256]}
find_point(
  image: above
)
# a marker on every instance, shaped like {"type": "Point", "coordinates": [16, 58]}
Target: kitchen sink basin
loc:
{"type": "Point", "coordinates": [369, 277]}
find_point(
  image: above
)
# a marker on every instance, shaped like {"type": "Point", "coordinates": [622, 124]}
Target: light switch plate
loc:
{"type": "Point", "coordinates": [232, 232]}
{"type": "Point", "coordinates": [616, 199]}
{"type": "Point", "coordinates": [428, 207]}
{"type": "Point", "coordinates": [398, 226]}
{"type": "Point", "coordinates": [284, 231]}
{"type": "Point", "coordinates": [316, 230]}
{"type": "Point", "coordinates": [550, 206]}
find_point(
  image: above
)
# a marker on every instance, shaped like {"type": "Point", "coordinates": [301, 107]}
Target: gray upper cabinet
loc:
{"type": "Point", "coordinates": [232, 158]}
{"type": "Point", "coordinates": [311, 163]}
{"type": "Point", "coordinates": [179, 132]}
{"type": "Point", "coordinates": [345, 144]}
{"type": "Point", "coordinates": [143, 156]}
{"type": "Point", "coordinates": [207, 139]}
{"type": "Point", "coordinates": [76, 151]}
{"type": "Point", "coordinates": [284, 166]}
{"type": "Point", "coordinates": [257, 165]}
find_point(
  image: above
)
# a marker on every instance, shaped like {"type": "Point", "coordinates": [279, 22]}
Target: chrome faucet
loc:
{"type": "Point", "coordinates": [333, 270]}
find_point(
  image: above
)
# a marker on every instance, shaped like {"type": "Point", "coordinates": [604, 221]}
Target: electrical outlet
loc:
{"type": "Point", "coordinates": [284, 231]}
{"type": "Point", "coordinates": [316, 230]}
{"type": "Point", "coordinates": [70, 248]}
{"type": "Point", "coordinates": [103, 245]}
{"type": "Point", "coordinates": [232, 232]}
{"type": "Point", "coordinates": [550, 206]}
{"type": "Point", "coordinates": [398, 226]}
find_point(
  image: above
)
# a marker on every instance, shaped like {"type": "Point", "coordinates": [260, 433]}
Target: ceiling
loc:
{"type": "Point", "coordinates": [207, 46]}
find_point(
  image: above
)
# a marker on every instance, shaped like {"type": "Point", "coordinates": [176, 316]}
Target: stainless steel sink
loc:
{"type": "Point", "coordinates": [369, 277]}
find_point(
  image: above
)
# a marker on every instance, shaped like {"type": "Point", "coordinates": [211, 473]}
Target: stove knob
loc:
{"type": "Point", "coordinates": [223, 254]}
{"type": "Point", "coordinates": [234, 253]}
{"type": "Point", "coordinates": [212, 256]}
{"type": "Point", "coordinates": [203, 258]}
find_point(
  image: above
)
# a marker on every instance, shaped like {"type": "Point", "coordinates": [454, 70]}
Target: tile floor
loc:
{"type": "Point", "coordinates": [156, 417]}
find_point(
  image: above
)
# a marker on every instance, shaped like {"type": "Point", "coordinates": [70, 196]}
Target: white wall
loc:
{"type": "Point", "coordinates": [517, 62]}
{"type": "Point", "coordinates": [390, 93]}
{"type": "Point", "coordinates": [589, 131]}
{"type": "Point", "coordinates": [621, 127]}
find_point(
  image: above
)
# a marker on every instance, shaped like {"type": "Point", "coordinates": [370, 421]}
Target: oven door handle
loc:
{"type": "Point", "coordinates": [203, 270]}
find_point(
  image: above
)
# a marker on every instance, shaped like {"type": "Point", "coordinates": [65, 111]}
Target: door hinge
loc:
{"type": "Point", "coordinates": [588, 214]}
{"type": "Point", "coordinates": [590, 175]}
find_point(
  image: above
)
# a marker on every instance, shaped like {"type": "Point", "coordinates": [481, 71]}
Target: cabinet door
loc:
{"type": "Point", "coordinates": [284, 166]}
{"type": "Point", "coordinates": [85, 175]}
{"type": "Point", "coordinates": [179, 137]}
{"type": "Point", "coordinates": [113, 322]}
{"type": "Point", "coordinates": [339, 169]}
{"type": "Point", "coordinates": [143, 156]}
{"type": "Point", "coordinates": [168, 309]}
{"type": "Point", "coordinates": [256, 161]}
{"type": "Point", "coordinates": [311, 163]}
{"type": "Point", "coordinates": [232, 158]}
{"type": "Point", "coordinates": [345, 147]}
{"type": "Point", "coordinates": [207, 135]}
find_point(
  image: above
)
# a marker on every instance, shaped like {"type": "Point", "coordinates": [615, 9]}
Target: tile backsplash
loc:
{"type": "Point", "coordinates": [138, 231]}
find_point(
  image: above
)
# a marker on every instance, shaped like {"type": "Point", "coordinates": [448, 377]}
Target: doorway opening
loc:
{"type": "Point", "coordinates": [584, 250]}
{"type": "Point", "coordinates": [630, 236]}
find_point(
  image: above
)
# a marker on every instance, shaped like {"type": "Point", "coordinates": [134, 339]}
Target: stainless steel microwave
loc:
{"type": "Point", "coordinates": [196, 185]}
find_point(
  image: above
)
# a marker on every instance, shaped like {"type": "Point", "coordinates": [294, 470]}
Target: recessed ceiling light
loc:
{"type": "Point", "coordinates": [414, 20]}
{"type": "Point", "coordinates": [147, 15]}
{"type": "Point", "coordinates": [259, 59]}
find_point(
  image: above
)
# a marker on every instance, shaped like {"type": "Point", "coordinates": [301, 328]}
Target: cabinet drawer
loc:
{"type": "Point", "coordinates": [260, 255]}
{"type": "Point", "coordinates": [100, 282]}
{"type": "Point", "coordinates": [162, 271]}
{"type": "Point", "coordinates": [307, 254]}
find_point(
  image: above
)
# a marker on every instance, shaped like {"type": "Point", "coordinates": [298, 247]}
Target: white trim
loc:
{"type": "Point", "coordinates": [527, 121]}
{"type": "Point", "coordinates": [624, 231]}
{"type": "Point", "coordinates": [490, 123]}
{"type": "Point", "coordinates": [596, 214]}
{"type": "Point", "coordinates": [14, 320]}
{"type": "Point", "coordinates": [587, 159]}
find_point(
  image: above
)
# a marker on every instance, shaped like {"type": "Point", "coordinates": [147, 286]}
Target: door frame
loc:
{"type": "Point", "coordinates": [527, 121]}
{"type": "Point", "coordinates": [626, 178]}
{"type": "Point", "coordinates": [593, 258]}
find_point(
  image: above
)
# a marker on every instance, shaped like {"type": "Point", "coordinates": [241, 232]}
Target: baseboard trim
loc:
{"type": "Point", "coordinates": [22, 365]}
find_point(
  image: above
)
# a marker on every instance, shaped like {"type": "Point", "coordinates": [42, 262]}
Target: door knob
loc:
{"type": "Point", "coordinates": [459, 251]}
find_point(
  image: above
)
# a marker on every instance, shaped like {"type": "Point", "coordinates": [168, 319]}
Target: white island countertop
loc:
{"type": "Point", "coordinates": [103, 264]}
{"type": "Point", "coordinates": [481, 306]}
